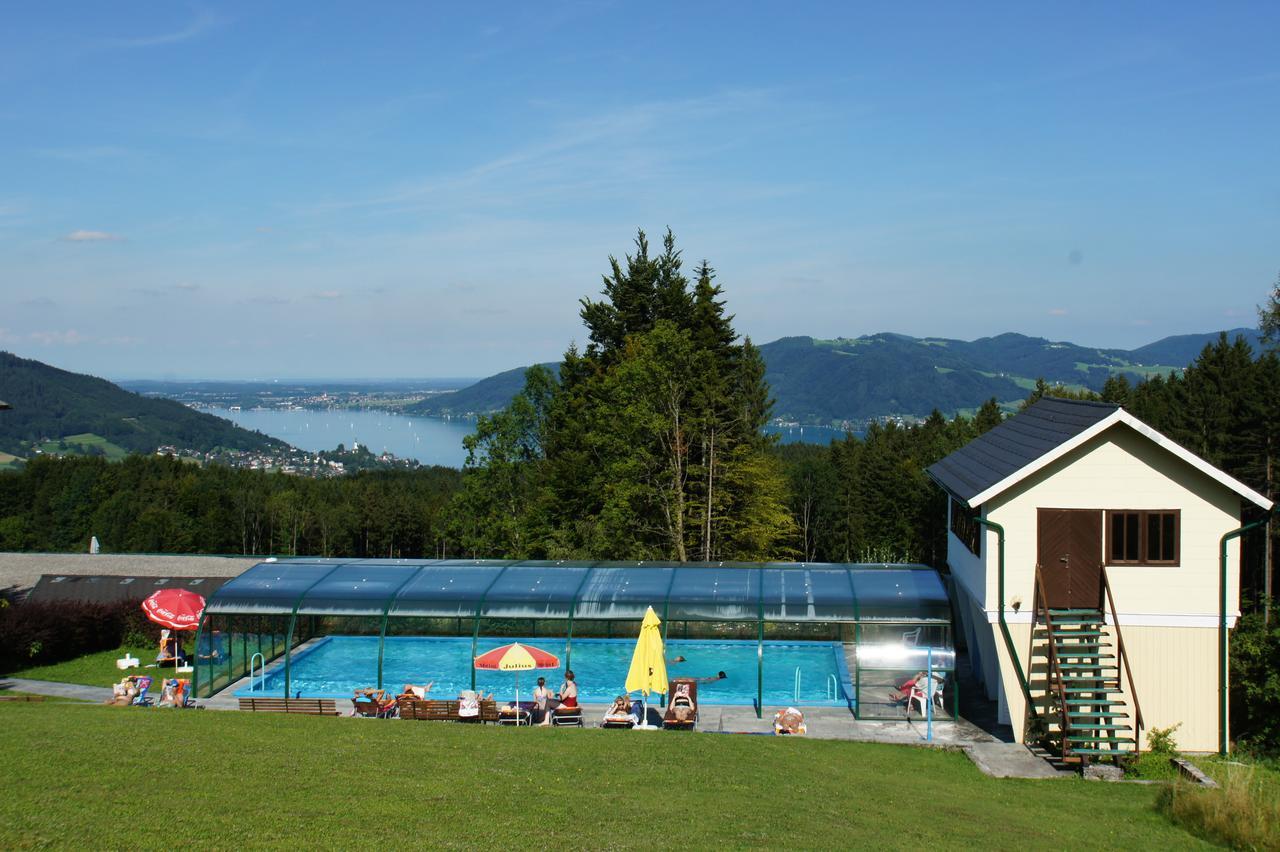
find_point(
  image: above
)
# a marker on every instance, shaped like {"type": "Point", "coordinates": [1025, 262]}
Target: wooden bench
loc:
{"type": "Point", "coordinates": [429, 709]}
{"type": "Point", "coordinates": [308, 706]}
{"type": "Point", "coordinates": [489, 710]}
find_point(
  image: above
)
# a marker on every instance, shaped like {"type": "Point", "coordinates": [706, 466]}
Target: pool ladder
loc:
{"type": "Point", "coordinates": [262, 672]}
{"type": "Point", "coordinates": [833, 687]}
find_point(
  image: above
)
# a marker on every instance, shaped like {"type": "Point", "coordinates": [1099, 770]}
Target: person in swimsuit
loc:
{"type": "Point", "coordinates": [543, 703]}
{"type": "Point", "coordinates": [568, 690]}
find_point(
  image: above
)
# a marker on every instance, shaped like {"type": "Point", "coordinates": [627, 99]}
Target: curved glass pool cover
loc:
{"type": "Point", "coordinates": [897, 618]}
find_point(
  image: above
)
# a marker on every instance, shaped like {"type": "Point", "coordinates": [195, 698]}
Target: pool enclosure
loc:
{"type": "Point", "coordinates": [890, 621]}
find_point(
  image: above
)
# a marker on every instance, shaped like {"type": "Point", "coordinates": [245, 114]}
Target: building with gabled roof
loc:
{"type": "Point", "coordinates": [1101, 620]}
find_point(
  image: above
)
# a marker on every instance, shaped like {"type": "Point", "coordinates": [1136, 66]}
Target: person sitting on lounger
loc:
{"type": "Point", "coordinates": [568, 699]}
{"type": "Point", "coordinates": [621, 712]}
{"type": "Point", "coordinates": [544, 704]}
{"type": "Point", "coordinates": [124, 692]}
{"type": "Point", "coordinates": [682, 708]}
{"type": "Point", "coordinates": [789, 721]}
{"type": "Point", "coordinates": [170, 649]}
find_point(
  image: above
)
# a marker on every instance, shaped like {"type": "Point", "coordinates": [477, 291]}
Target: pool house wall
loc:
{"type": "Point", "coordinates": [892, 620]}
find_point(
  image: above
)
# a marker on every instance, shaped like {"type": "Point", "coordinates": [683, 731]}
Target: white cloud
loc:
{"type": "Point", "coordinates": [91, 237]}
{"type": "Point", "coordinates": [70, 337]}
{"type": "Point", "coordinates": [203, 22]}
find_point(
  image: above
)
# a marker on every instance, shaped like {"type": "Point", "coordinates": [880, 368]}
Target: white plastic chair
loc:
{"type": "Point", "coordinates": [929, 690]}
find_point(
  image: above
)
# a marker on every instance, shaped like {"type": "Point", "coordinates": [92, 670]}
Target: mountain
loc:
{"type": "Point", "coordinates": [1185, 348]}
{"type": "Point", "coordinates": [49, 403]}
{"type": "Point", "coordinates": [486, 395]}
{"type": "Point", "coordinates": [856, 379]}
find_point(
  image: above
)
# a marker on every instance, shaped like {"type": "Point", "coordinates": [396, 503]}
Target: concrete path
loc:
{"type": "Point", "coordinates": [98, 694]}
{"type": "Point", "coordinates": [1010, 760]}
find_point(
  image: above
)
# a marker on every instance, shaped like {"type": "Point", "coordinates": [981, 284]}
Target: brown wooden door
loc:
{"type": "Point", "coordinates": [1069, 549]}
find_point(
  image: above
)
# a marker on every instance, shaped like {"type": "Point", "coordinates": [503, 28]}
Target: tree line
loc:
{"type": "Point", "coordinates": [154, 504]}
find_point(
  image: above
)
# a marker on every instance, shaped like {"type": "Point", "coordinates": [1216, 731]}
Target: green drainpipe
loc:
{"type": "Point", "coordinates": [1004, 625]}
{"type": "Point", "coordinates": [1222, 629]}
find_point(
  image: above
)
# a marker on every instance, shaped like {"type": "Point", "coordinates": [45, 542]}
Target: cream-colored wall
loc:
{"type": "Point", "coordinates": [1121, 469]}
{"type": "Point", "coordinates": [1175, 670]}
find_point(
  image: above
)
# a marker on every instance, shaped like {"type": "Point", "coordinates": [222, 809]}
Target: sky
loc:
{"type": "Point", "coordinates": [270, 189]}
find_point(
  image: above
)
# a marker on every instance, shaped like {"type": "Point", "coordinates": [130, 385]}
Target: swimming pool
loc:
{"type": "Point", "coordinates": [336, 666]}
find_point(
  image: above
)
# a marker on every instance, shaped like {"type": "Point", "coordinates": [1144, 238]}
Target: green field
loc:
{"type": "Point", "coordinates": [9, 461]}
{"type": "Point", "coordinates": [80, 445]}
{"type": "Point", "coordinates": [119, 777]}
{"type": "Point", "coordinates": [94, 669]}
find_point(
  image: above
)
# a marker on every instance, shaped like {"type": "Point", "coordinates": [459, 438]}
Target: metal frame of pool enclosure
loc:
{"type": "Point", "coordinates": [892, 620]}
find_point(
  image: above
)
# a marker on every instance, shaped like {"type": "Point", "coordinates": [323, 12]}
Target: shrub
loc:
{"type": "Point", "coordinates": [1255, 685]}
{"type": "Point", "coordinates": [1160, 740]}
{"type": "Point", "coordinates": [33, 633]}
{"type": "Point", "coordinates": [1239, 814]}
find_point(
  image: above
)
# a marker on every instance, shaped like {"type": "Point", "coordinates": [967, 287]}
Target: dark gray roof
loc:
{"type": "Point", "coordinates": [1016, 443]}
{"type": "Point", "coordinates": [103, 588]}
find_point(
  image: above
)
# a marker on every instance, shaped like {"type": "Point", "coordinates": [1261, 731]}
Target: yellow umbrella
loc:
{"type": "Point", "coordinates": [648, 672]}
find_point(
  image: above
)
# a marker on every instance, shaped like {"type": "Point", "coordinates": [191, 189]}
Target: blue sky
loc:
{"type": "Point", "coordinates": [287, 190]}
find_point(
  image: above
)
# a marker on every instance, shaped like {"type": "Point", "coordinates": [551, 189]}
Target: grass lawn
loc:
{"type": "Point", "coordinates": [96, 669]}
{"type": "Point", "coordinates": [80, 444]}
{"type": "Point", "coordinates": [95, 774]}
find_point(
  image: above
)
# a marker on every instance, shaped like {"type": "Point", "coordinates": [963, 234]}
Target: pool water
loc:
{"type": "Point", "coordinates": [338, 665]}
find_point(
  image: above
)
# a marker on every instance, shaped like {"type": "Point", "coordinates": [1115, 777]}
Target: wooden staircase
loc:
{"type": "Point", "coordinates": [1077, 661]}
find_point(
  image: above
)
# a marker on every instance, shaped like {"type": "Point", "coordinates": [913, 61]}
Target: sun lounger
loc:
{"type": "Point", "coordinates": [682, 711]}
{"type": "Point", "coordinates": [488, 710]}
{"type": "Point", "coordinates": [373, 708]}
{"type": "Point", "coordinates": [143, 683]}
{"type": "Point", "coordinates": [567, 716]}
{"type": "Point", "coordinates": [513, 714]}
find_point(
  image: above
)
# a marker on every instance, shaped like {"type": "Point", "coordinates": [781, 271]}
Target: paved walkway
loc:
{"type": "Point", "coordinates": [74, 691]}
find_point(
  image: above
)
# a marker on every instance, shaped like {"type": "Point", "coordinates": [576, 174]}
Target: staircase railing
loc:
{"type": "Point", "coordinates": [1055, 672]}
{"type": "Point", "coordinates": [1139, 725]}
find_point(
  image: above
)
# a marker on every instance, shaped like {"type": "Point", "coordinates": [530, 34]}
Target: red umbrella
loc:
{"type": "Point", "coordinates": [517, 658]}
{"type": "Point", "coordinates": [177, 609]}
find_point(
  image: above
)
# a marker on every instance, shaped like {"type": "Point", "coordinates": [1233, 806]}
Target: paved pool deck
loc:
{"type": "Point", "coordinates": [993, 757]}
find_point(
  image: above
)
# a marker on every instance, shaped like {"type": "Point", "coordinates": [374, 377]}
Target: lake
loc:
{"type": "Point", "coordinates": [430, 440]}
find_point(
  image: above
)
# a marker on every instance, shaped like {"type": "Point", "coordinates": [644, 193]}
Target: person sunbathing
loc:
{"type": "Point", "coordinates": [622, 711]}
{"type": "Point", "coordinates": [789, 721]}
{"type": "Point", "coordinates": [411, 691]}
{"type": "Point", "coordinates": [124, 692]}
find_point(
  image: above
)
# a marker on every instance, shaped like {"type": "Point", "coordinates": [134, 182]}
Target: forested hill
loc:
{"type": "Point", "coordinates": [485, 395]}
{"type": "Point", "coordinates": [49, 403]}
{"type": "Point", "coordinates": [820, 381]}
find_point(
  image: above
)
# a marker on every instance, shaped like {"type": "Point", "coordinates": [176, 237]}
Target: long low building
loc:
{"type": "Point", "coordinates": [21, 572]}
